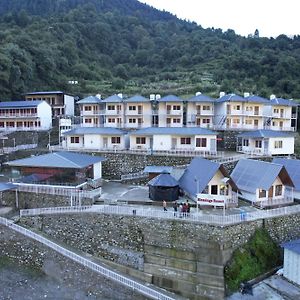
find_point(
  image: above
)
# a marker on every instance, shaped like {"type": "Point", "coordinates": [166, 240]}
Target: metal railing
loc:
{"type": "Point", "coordinates": [7, 150]}
{"type": "Point", "coordinates": [136, 286]}
{"type": "Point", "coordinates": [136, 175]}
{"type": "Point", "coordinates": [217, 220]}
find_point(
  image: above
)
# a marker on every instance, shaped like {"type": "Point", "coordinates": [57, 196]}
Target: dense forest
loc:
{"type": "Point", "coordinates": [111, 46]}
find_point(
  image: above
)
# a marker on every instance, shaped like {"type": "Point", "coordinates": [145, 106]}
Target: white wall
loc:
{"type": "Point", "coordinates": [162, 142]}
{"type": "Point", "coordinates": [44, 112]}
{"type": "Point", "coordinates": [69, 105]}
{"type": "Point", "coordinates": [287, 145]}
{"type": "Point", "coordinates": [133, 144]}
{"type": "Point", "coordinates": [291, 266]}
{"type": "Point", "coordinates": [97, 169]}
{"type": "Point", "coordinates": [92, 141]}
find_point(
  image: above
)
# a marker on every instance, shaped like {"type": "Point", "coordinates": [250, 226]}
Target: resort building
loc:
{"type": "Point", "coordinates": [25, 115]}
{"type": "Point", "coordinates": [114, 111]}
{"type": "Point", "coordinates": [61, 103]}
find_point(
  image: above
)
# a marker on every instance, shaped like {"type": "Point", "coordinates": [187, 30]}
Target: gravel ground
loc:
{"type": "Point", "coordinates": [22, 283]}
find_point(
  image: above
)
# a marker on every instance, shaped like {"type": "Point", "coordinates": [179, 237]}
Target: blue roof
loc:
{"type": "Point", "coordinates": [173, 131]}
{"type": "Point", "coordinates": [158, 169]}
{"type": "Point", "coordinates": [293, 246]}
{"type": "Point", "coordinates": [163, 179]}
{"type": "Point", "coordinates": [89, 100]}
{"type": "Point", "coordinates": [197, 175]}
{"type": "Point", "coordinates": [293, 168]}
{"type": "Point", "coordinates": [231, 98]}
{"type": "Point", "coordinates": [284, 102]}
{"type": "Point", "coordinates": [257, 99]}
{"type": "Point", "coordinates": [6, 186]}
{"type": "Point", "coordinates": [201, 98]}
{"type": "Point", "coordinates": [170, 98]}
{"type": "Point", "coordinates": [11, 104]}
{"type": "Point", "coordinates": [68, 160]}
{"type": "Point", "coordinates": [265, 133]}
{"type": "Point", "coordinates": [113, 98]}
{"type": "Point", "coordinates": [137, 98]}
{"type": "Point", "coordinates": [95, 130]}
{"type": "Point", "coordinates": [250, 175]}
{"type": "Point", "coordinates": [45, 93]}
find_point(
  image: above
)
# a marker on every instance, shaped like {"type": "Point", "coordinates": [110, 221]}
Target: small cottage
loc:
{"type": "Point", "coordinates": [209, 183]}
{"type": "Point", "coordinates": [262, 183]}
{"type": "Point", "coordinates": [291, 261]}
{"type": "Point", "coordinates": [163, 187]}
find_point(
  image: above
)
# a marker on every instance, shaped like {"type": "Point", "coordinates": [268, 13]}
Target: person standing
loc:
{"type": "Point", "coordinates": [165, 205]}
{"type": "Point", "coordinates": [175, 206]}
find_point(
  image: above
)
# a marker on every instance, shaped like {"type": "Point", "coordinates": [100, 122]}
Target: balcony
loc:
{"type": "Point", "coordinates": [174, 112]}
{"type": "Point", "coordinates": [11, 116]}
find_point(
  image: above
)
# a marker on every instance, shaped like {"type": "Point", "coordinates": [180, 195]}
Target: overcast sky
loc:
{"type": "Point", "coordinates": [271, 18]}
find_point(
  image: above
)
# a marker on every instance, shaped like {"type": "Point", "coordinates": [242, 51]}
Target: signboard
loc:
{"type": "Point", "coordinates": [212, 200]}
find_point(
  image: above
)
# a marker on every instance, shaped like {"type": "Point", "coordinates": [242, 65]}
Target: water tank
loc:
{"type": "Point", "coordinates": [246, 94]}
{"type": "Point", "coordinates": [157, 96]}
{"type": "Point", "coordinates": [272, 97]}
{"type": "Point", "coordinates": [222, 94]}
{"type": "Point", "coordinates": [152, 97]}
{"type": "Point", "coordinates": [98, 96]}
{"type": "Point", "coordinates": [198, 93]}
{"type": "Point", "coordinates": [120, 95]}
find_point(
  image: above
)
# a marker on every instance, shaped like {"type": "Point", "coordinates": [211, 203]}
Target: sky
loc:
{"type": "Point", "coordinates": [271, 18]}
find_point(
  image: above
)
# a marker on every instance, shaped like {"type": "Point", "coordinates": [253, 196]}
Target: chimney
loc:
{"type": "Point", "coordinates": [222, 94]}
{"type": "Point", "coordinates": [198, 93]}
{"type": "Point", "coordinates": [246, 94]}
{"type": "Point", "coordinates": [272, 97]}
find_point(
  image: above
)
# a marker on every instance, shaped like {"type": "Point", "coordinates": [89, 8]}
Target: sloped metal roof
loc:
{"type": "Point", "coordinates": [6, 186]}
{"type": "Point", "coordinates": [163, 179]}
{"type": "Point", "coordinates": [95, 130]}
{"type": "Point", "coordinates": [265, 133]}
{"type": "Point", "coordinates": [158, 169]}
{"type": "Point", "coordinates": [170, 98]}
{"type": "Point", "coordinates": [284, 102]}
{"type": "Point", "coordinates": [201, 98]}
{"type": "Point", "coordinates": [250, 175]}
{"type": "Point", "coordinates": [89, 100]}
{"type": "Point", "coordinates": [69, 160]}
{"type": "Point", "coordinates": [293, 168]}
{"type": "Point", "coordinates": [257, 99]}
{"type": "Point", "coordinates": [10, 104]}
{"type": "Point", "coordinates": [173, 131]}
{"type": "Point", "coordinates": [113, 98]}
{"type": "Point", "coordinates": [231, 98]}
{"type": "Point", "coordinates": [137, 98]}
{"type": "Point", "coordinates": [197, 175]}
{"type": "Point", "coordinates": [292, 246]}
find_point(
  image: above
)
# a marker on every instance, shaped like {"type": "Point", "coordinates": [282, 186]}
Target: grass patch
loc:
{"type": "Point", "coordinates": [255, 258]}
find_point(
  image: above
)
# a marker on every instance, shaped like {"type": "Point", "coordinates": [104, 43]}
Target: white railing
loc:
{"type": "Point", "coordinates": [112, 275]}
{"type": "Point", "coordinates": [7, 150]}
{"type": "Point", "coordinates": [136, 175]}
{"type": "Point", "coordinates": [146, 212]}
{"type": "Point", "coordinates": [275, 202]}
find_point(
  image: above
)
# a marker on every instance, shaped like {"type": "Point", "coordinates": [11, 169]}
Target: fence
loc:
{"type": "Point", "coordinates": [7, 150]}
{"type": "Point", "coordinates": [141, 288]}
{"type": "Point", "coordinates": [136, 175]}
{"type": "Point", "coordinates": [217, 220]}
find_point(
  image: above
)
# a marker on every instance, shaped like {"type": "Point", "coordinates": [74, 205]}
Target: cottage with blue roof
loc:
{"type": "Point", "coordinates": [266, 142]}
{"type": "Point", "coordinates": [95, 138]}
{"type": "Point", "coordinates": [200, 111]}
{"type": "Point", "coordinates": [291, 261]}
{"type": "Point", "coordinates": [262, 183]}
{"type": "Point", "coordinates": [209, 183]}
{"type": "Point", "coordinates": [170, 111]}
{"type": "Point", "coordinates": [167, 138]}
{"type": "Point", "coordinates": [25, 115]}
{"type": "Point", "coordinates": [293, 168]}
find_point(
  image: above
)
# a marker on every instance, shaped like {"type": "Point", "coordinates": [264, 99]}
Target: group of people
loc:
{"type": "Point", "coordinates": [184, 208]}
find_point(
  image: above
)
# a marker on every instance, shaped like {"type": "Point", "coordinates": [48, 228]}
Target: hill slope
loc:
{"type": "Point", "coordinates": [115, 45]}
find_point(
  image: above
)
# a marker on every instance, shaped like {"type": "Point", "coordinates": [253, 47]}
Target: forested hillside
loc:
{"type": "Point", "coordinates": [113, 45]}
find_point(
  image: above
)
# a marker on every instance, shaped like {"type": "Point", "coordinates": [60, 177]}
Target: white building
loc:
{"type": "Point", "coordinates": [114, 111]}
{"type": "Point", "coordinates": [200, 111]}
{"type": "Point", "coordinates": [266, 142]}
{"type": "Point", "coordinates": [25, 115]}
{"type": "Point", "coordinates": [166, 139]}
{"type": "Point", "coordinates": [61, 103]}
{"type": "Point", "coordinates": [262, 183]}
{"type": "Point", "coordinates": [96, 138]}
{"type": "Point", "coordinates": [170, 111]}
{"type": "Point", "coordinates": [209, 183]}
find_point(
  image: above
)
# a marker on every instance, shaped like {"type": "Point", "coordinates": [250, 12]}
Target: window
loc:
{"type": "Point", "coordinates": [278, 190]}
{"type": "Point", "coordinates": [245, 143]}
{"type": "Point", "coordinates": [248, 122]}
{"type": "Point", "coordinates": [132, 107]}
{"type": "Point", "coordinates": [111, 120]}
{"type": "Point", "coordinates": [115, 140]}
{"type": "Point", "coordinates": [140, 140]}
{"type": "Point", "coordinates": [277, 144]}
{"type": "Point", "coordinates": [185, 141]}
{"type": "Point", "coordinates": [258, 144]}
{"type": "Point", "coordinates": [201, 142]}
{"type": "Point", "coordinates": [176, 107]}
{"type": "Point", "coordinates": [87, 108]}
{"type": "Point", "coordinates": [132, 121]}
{"type": "Point", "coordinates": [206, 121]}
{"type": "Point", "coordinates": [110, 107]}
{"type": "Point", "coordinates": [236, 121]}
{"type": "Point", "coordinates": [262, 193]}
{"type": "Point", "coordinates": [214, 190]}
{"type": "Point", "coordinates": [237, 107]}
{"type": "Point", "coordinates": [88, 121]}
{"type": "Point", "coordinates": [249, 108]}
{"type": "Point", "coordinates": [74, 139]}
{"type": "Point", "coordinates": [276, 111]}
{"type": "Point", "coordinates": [206, 107]}
{"type": "Point", "coordinates": [176, 121]}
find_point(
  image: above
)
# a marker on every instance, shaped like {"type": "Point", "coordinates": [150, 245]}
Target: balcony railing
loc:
{"type": "Point", "coordinates": [9, 115]}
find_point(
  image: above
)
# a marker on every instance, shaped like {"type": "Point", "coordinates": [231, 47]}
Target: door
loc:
{"type": "Point", "coordinates": [255, 123]}
{"type": "Point", "coordinates": [105, 142]}
{"type": "Point", "coordinates": [228, 109]}
{"type": "Point", "coordinates": [266, 146]}
{"type": "Point", "coordinates": [174, 143]}
{"type": "Point", "coordinates": [270, 193]}
{"type": "Point", "coordinates": [169, 109]}
{"type": "Point", "coordinates": [213, 145]}
{"type": "Point", "coordinates": [140, 109]}
{"type": "Point", "coordinates": [256, 110]}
